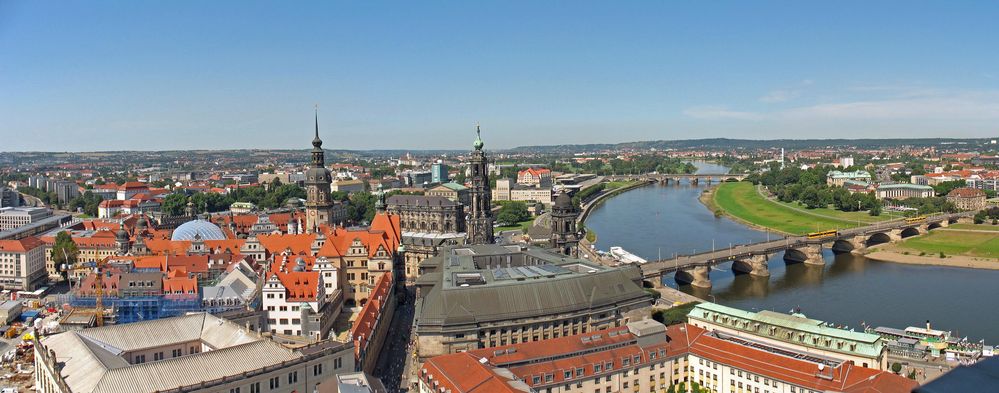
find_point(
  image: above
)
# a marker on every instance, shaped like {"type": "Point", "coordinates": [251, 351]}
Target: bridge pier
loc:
{"type": "Point", "coordinates": [813, 254]}
{"type": "Point", "coordinates": [923, 229]}
{"type": "Point", "coordinates": [698, 276]}
{"type": "Point", "coordinates": [895, 235]}
{"type": "Point", "coordinates": [946, 223]}
{"type": "Point", "coordinates": [755, 265]}
{"type": "Point", "coordinates": [859, 244]}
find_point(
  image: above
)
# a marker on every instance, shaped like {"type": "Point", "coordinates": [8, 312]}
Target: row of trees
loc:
{"type": "Point", "coordinates": [809, 187]}
{"type": "Point", "coordinates": [512, 212]}
{"type": "Point", "coordinates": [990, 214]}
{"type": "Point", "coordinates": [264, 198]}
{"type": "Point", "coordinates": [87, 202]}
{"type": "Point", "coordinates": [634, 165]}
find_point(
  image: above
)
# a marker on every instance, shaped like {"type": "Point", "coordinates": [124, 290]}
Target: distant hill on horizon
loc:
{"type": "Point", "coordinates": [726, 143]}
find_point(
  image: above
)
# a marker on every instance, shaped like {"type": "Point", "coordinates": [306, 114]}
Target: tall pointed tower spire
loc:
{"type": "Point", "coordinates": [319, 204]}
{"type": "Point", "coordinates": [479, 223]}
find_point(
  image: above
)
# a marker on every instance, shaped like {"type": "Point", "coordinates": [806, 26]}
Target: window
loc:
{"type": "Point", "coordinates": [579, 372]}
{"type": "Point", "coordinates": [158, 356]}
{"type": "Point", "coordinates": [175, 353]}
{"type": "Point", "coordinates": [275, 382]}
{"type": "Point", "coordinates": [255, 387]}
{"type": "Point", "coordinates": [596, 368]}
{"type": "Point", "coordinates": [536, 380]}
{"type": "Point", "coordinates": [549, 378]}
{"type": "Point", "coordinates": [140, 359]}
{"type": "Point", "coordinates": [337, 363]}
{"type": "Point", "coordinates": [567, 374]}
{"type": "Point", "coordinates": [234, 390]}
{"type": "Point", "coordinates": [317, 369]}
{"type": "Point", "coordinates": [293, 377]}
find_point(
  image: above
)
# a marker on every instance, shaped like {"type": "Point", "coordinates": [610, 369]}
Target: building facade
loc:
{"type": "Point", "coordinates": [794, 331]}
{"type": "Point", "coordinates": [967, 198]}
{"type": "Point", "coordinates": [480, 296]}
{"type": "Point", "coordinates": [22, 264]}
{"type": "Point", "coordinates": [438, 172]}
{"type": "Point", "coordinates": [903, 191]}
{"type": "Point", "coordinates": [431, 214]}
{"type": "Point", "coordinates": [540, 177]}
{"type": "Point", "coordinates": [9, 198]}
{"type": "Point", "coordinates": [836, 178]}
{"type": "Point", "coordinates": [480, 216]}
{"type": "Point", "coordinates": [200, 353]}
{"type": "Point", "coordinates": [15, 217]}
{"type": "Point", "coordinates": [645, 356]}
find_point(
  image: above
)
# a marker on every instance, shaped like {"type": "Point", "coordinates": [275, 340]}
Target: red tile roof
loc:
{"type": "Point", "coordinates": [469, 371]}
{"type": "Point", "coordinates": [966, 193]}
{"type": "Point", "coordinates": [367, 320]}
{"type": "Point", "coordinates": [22, 245]}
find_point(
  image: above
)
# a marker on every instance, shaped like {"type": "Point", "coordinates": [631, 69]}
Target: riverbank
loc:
{"type": "Point", "coordinates": [890, 254]}
{"type": "Point", "coordinates": [707, 198]}
{"type": "Point", "coordinates": [745, 203]}
{"type": "Point", "coordinates": [588, 207]}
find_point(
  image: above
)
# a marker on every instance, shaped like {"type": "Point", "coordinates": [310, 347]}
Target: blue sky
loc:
{"type": "Point", "coordinates": [153, 75]}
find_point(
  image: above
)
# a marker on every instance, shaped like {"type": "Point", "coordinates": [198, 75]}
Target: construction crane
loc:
{"type": "Point", "coordinates": [98, 269]}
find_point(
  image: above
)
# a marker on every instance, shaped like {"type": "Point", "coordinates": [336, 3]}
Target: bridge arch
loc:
{"type": "Point", "coordinates": [794, 255]}
{"type": "Point", "coordinates": [684, 277]}
{"type": "Point", "coordinates": [878, 238]}
{"type": "Point", "coordinates": [909, 232]}
{"type": "Point", "coordinates": [842, 246]}
{"type": "Point", "coordinates": [740, 267]}
{"type": "Point", "coordinates": [934, 225]}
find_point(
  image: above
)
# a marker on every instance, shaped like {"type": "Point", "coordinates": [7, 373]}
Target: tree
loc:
{"type": "Point", "coordinates": [174, 204]}
{"type": "Point", "coordinates": [64, 252]}
{"type": "Point", "coordinates": [896, 367]}
{"type": "Point", "coordinates": [946, 187]}
{"type": "Point", "coordinates": [512, 213]}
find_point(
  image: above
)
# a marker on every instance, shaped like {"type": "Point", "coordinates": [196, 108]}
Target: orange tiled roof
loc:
{"type": "Point", "coordinates": [966, 192]}
{"type": "Point", "coordinates": [22, 245]}
{"type": "Point", "coordinates": [464, 372]}
{"type": "Point", "coordinates": [367, 320]}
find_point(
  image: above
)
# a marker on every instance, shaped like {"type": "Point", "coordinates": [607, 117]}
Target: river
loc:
{"type": "Point", "coordinates": [666, 219]}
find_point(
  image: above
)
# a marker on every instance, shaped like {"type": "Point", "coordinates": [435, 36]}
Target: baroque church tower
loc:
{"type": "Point", "coordinates": [565, 235]}
{"type": "Point", "coordinates": [480, 218]}
{"type": "Point", "coordinates": [318, 203]}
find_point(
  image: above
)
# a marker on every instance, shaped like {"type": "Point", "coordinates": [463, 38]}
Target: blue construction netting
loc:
{"type": "Point", "coordinates": [140, 308]}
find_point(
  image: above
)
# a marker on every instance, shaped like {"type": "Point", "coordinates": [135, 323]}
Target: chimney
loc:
{"type": "Point", "coordinates": [927, 324]}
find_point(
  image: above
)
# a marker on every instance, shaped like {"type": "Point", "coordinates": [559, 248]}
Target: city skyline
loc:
{"type": "Point", "coordinates": [246, 75]}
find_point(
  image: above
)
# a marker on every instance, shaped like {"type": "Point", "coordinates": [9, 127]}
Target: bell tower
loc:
{"type": "Point", "coordinates": [480, 217]}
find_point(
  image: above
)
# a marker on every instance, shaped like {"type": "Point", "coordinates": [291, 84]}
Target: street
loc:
{"type": "Point", "coordinates": [397, 350]}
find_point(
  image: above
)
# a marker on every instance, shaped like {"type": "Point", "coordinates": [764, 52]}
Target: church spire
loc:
{"type": "Point", "coordinates": [318, 158]}
{"type": "Point", "coordinates": [316, 142]}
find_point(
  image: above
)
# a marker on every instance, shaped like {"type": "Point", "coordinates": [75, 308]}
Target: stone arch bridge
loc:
{"type": "Point", "coordinates": [678, 178]}
{"type": "Point", "coordinates": [752, 258]}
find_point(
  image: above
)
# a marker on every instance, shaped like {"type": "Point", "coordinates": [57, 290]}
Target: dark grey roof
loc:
{"type": "Point", "coordinates": [562, 285]}
{"type": "Point", "coordinates": [421, 200]}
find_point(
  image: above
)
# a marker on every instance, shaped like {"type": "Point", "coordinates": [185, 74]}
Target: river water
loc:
{"type": "Point", "coordinates": [660, 220]}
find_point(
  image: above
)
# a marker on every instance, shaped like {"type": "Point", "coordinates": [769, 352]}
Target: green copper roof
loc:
{"type": "Point", "coordinates": [478, 139]}
{"type": "Point", "coordinates": [803, 331]}
{"type": "Point", "coordinates": [455, 186]}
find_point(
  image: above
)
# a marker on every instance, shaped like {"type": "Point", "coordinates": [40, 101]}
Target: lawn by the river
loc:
{"type": "Point", "coordinates": [742, 201]}
{"type": "Point", "coordinates": [955, 242]}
